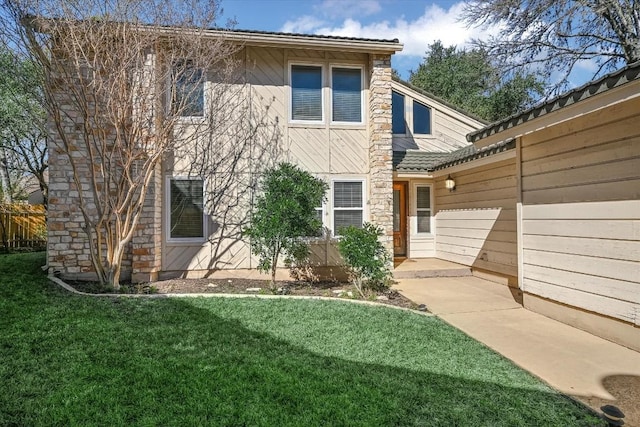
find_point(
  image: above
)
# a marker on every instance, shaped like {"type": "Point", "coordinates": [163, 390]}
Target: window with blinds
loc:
{"type": "Point", "coordinates": [348, 205]}
{"type": "Point", "coordinates": [421, 118]}
{"type": "Point", "coordinates": [186, 213]}
{"type": "Point", "coordinates": [188, 91]}
{"type": "Point", "coordinates": [398, 124]}
{"type": "Point", "coordinates": [346, 87]}
{"type": "Point", "coordinates": [423, 208]}
{"type": "Point", "coordinates": [306, 92]}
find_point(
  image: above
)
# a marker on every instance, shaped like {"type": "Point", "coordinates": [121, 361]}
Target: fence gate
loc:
{"type": "Point", "coordinates": [22, 226]}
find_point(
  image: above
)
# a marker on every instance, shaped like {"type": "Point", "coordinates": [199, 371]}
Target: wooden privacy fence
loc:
{"type": "Point", "coordinates": [22, 226]}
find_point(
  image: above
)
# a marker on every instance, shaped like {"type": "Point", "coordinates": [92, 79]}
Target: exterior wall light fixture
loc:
{"type": "Point", "coordinates": [450, 184]}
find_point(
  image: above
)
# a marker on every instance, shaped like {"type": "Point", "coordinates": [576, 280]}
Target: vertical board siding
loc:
{"type": "Point", "coordinates": [581, 212]}
{"type": "Point", "coordinates": [476, 223]}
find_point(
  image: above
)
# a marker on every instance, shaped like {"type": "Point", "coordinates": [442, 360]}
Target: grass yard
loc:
{"type": "Point", "coordinates": [82, 361]}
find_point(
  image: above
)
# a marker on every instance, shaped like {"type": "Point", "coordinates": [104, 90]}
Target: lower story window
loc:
{"type": "Point", "coordinates": [423, 208]}
{"type": "Point", "coordinates": [348, 205]}
{"type": "Point", "coordinates": [186, 214]}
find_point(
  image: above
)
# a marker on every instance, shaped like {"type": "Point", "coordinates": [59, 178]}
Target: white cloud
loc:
{"type": "Point", "coordinates": [348, 8]}
{"type": "Point", "coordinates": [304, 24]}
{"type": "Point", "coordinates": [416, 33]}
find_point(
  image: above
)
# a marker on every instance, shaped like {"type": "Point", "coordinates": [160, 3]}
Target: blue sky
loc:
{"type": "Point", "coordinates": [415, 23]}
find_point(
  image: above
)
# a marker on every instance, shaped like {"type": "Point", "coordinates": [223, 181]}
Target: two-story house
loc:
{"type": "Point", "coordinates": [546, 200]}
{"type": "Point", "coordinates": [334, 109]}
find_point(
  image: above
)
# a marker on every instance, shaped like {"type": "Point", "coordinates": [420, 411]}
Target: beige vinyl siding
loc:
{"type": "Point", "coordinates": [476, 223]}
{"type": "Point", "coordinates": [581, 212]}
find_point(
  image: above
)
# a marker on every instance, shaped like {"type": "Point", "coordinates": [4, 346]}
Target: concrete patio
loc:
{"type": "Point", "coordinates": [588, 368]}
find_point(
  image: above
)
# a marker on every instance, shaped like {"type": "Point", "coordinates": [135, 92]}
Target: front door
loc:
{"type": "Point", "coordinates": [399, 219]}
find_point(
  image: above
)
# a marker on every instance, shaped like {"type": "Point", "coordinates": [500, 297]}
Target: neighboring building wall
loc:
{"type": "Point", "coordinates": [581, 216]}
{"type": "Point", "coordinates": [476, 223]}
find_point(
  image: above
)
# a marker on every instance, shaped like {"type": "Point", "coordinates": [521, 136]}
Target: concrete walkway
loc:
{"type": "Point", "coordinates": [589, 368]}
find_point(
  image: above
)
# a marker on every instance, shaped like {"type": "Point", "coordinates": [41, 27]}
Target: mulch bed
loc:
{"type": "Point", "coordinates": [256, 287]}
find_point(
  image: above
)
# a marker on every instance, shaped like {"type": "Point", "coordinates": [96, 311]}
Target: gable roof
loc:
{"type": "Point", "coordinates": [613, 80]}
{"type": "Point", "coordinates": [424, 161]}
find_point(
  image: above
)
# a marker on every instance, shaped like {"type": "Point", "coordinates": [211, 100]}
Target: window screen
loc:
{"type": "Point", "coordinates": [423, 205]}
{"type": "Point", "coordinates": [187, 219]}
{"type": "Point", "coordinates": [188, 95]}
{"type": "Point", "coordinates": [347, 205]}
{"type": "Point", "coordinates": [306, 92]}
{"type": "Point", "coordinates": [346, 94]}
{"type": "Point", "coordinates": [421, 118]}
{"type": "Point", "coordinates": [397, 113]}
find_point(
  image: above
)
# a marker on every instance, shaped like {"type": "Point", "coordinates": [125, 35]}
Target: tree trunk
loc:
{"type": "Point", "coordinates": [5, 181]}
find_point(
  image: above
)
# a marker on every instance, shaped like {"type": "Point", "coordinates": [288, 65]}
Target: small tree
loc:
{"type": "Point", "coordinates": [367, 259]}
{"type": "Point", "coordinates": [284, 215]}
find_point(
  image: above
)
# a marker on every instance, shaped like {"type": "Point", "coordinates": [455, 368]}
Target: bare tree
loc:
{"type": "Point", "coordinates": [555, 36]}
{"type": "Point", "coordinates": [124, 88]}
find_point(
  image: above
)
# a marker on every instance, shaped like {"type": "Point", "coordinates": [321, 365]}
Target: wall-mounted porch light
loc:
{"type": "Point", "coordinates": [450, 184]}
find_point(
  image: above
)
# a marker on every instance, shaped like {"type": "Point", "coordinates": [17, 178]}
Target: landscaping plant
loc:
{"type": "Point", "coordinates": [284, 215]}
{"type": "Point", "coordinates": [365, 256]}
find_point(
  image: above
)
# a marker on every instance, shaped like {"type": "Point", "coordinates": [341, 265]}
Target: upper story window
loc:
{"type": "Point", "coordinates": [348, 204]}
{"type": "Point", "coordinates": [188, 90]}
{"type": "Point", "coordinates": [421, 118]}
{"type": "Point", "coordinates": [306, 92]}
{"type": "Point", "coordinates": [398, 123]}
{"type": "Point", "coordinates": [186, 209]}
{"type": "Point", "coordinates": [346, 86]}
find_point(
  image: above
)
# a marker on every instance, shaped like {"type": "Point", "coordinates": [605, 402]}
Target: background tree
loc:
{"type": "Point", "coordinates": [284, 215]}
{"type": "Point", "coordinates": [471, 81]}
{"type": "Point", "coordinates": [556, 36]}
{"type": "Point", "coordinates": [119, 79]}
{"type": "Point", "coordinates": [23, 150]}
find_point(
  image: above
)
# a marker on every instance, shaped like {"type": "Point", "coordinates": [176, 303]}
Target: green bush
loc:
{"type": "Point", "coordinates": [284, 215]}
{"type": "Point", "coordinates": [367, 260]}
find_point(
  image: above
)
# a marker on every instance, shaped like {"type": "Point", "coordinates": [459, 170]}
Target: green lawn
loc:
{"type": "Point", "coordinates": [72, 360]}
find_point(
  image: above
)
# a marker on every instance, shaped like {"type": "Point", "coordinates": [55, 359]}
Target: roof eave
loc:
{"type": "Point", "coordinates": [310, 42]}
{"type": "Point", "coordinates": [605, 91]}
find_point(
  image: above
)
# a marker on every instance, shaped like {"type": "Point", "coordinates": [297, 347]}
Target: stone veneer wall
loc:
{"type": "Point", "coordinates": [68, 253]}
{"type": "Point", "coordinates": [146, 244]}
{"type": "Point", "coordinates": [380, 151]}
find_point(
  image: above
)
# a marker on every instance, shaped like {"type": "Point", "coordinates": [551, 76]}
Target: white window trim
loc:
{"type": "Point", "coordinates": [322, 92]}
{"type": "Point", "coordinates": [414, 226]}
{"type": "Point", "coordinates": [167, 216]}
{"type": "Point", "coordinates": [365, 202]}
{"type": "Point", "coordinates": [362, 94]}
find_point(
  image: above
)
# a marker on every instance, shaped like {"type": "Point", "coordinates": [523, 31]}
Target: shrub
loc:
{"type": "Point", "coordinates": [283, 215]}
{"type": "Point", "coordinates": [367, 260]}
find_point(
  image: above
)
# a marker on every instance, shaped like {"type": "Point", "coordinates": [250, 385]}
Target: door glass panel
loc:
{"type": "Point", "coordinates": [396, 210]}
